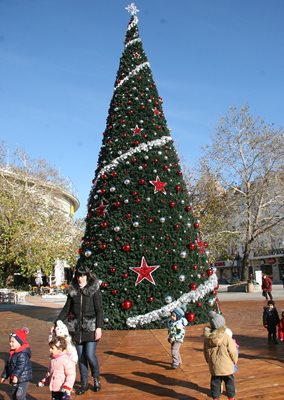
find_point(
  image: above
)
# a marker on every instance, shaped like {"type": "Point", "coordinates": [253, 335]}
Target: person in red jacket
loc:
{"type": "Point", "coordinates": [266, 287]}
{"type": "Point", "coordinates": [281, 327]}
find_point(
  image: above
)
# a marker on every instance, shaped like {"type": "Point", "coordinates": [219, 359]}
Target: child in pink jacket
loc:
{"type": "Point", "coordinates": [61, 373]}
{"type": "Point", "coordinates": [281, 327]}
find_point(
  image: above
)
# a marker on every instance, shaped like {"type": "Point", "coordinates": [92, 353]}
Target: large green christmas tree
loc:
{"type": "Point", "coordinates": [141, 239]}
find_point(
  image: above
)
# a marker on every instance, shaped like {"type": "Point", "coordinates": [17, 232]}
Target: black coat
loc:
{"type": "Point", "coordinates": [83, 310]}
{"type": "Point", "coordinates": [19, 364]}
{"type": "Point", "coordinates": [270, 317]}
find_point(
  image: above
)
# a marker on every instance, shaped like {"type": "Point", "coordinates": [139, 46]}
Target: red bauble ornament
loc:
{"type": "Point", "coordinates": [209, 272]}
{"type": "Point", "coordinates": [103, 190]}
{"type": "Point", "coordinates": [214, 292]}
{"type": "Point", "coordinates": [117, 203]}
{"type": "Point", "coordinates": [174, 267]}
{"type": "Point", "coordinates": [126, 248]}
{"type": "Point", "coordinates": [104, 224]}
{"type": "Point", "coordinates": [150, 220]}
{"type": "Point", "coordinates": [165, 167]}
{"type": "Point", "coordinates": [137, 200]}
{"type": "Point", "coordinates": [191, 246]}
{"type": "Point", "coordinates": [114, 292]}
{"type": "Point", "coordinates": [104, 285]}
{"type": "Point", "coordinates": [136, 142]}
{"type": "Point", "coordinates": [172, 204]}
{"type": "Point", "coordinates": [141, 181]}
{"type": "Point", "coordinates": [103, 246]}
{"type": "Point", "coordinates": [134, 193]}
{"type": "Point", "coordinates": [124, 275]}
{"type": "Point", "coordinates": [150, 299]}
{"type": "Point", "coordinates": [114, 173]}
{"type": "Point", "coordinates": [177, 226]}
{"type": "Point", "coordinates": [198, 304]}
{"type": "Point", "coordinates": [190, 316]}
{"type": "Point", "coordinates": [196, 225]}
{"type": "Point", "coordinates": [128, 216]}
{"type": "Point", "coordinates": [104, 176]}
{"type": "Point", "coordinates": [195, 267]}
{"type": "Point", "coordinates": [126, 304]}
{"type": "Point", "coordinates": [216, 287]}
{"type": "Point", "coordinates": [179, 173]}
{"type": "Point", "coordinates": [193, 286]}
{"type": "Point", "coordinates": [133, 160]}
{"type": "Point", "coordinates": [187, 208]}
{"type": "Point", "coordinates": [112, 270]}
{"type": "Point", "coordinates": [205, 244]}
{"type": "Point", "coordinates": [177, 188]}
{"type": "Point", "coordinates": [145, 165]}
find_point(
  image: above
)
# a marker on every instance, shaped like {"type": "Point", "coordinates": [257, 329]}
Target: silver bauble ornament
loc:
{"type": "Point", "coordinates": [116, 228]}
{"type": "Point", "coordinates": [88, 253]}
{"type": "Point", "coordinates": [136, 224]}
{"type": "Point", "coordinates": [168, 299]}
{"type": "Point", "coordinates": [162, 219]}
{"type": "Point", "coordinates": [183, 254]}
{"type": "Point", "coordinates": [181, 278]}
{"type": "Point", "coordinates": [127, 181]}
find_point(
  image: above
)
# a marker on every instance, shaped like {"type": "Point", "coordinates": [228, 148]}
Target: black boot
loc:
{"type": "Point", "coordinates": [97, 384]}
{"type": "Point", "coordinates": [82, 389]}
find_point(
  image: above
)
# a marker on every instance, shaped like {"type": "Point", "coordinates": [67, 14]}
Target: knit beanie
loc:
{"type": "Point", "coordinates": [216, 320]}
{"type": "Point", "coordinates": [178, 312]}
{"type": "Point", "coordinates": [21, 335]}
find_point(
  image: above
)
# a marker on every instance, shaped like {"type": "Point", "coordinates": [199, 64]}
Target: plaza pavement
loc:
{"type": "Point", "coordinates": [136, 364]}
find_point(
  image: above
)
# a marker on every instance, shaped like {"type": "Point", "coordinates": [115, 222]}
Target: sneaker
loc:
{"type": "Point", "coordinates": [82, 389]}
{"type": "Point", "coordinates": [97, 385]}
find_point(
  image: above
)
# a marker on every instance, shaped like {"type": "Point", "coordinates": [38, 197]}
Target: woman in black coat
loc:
{"type": "Point", "coordinates": [83, 314]}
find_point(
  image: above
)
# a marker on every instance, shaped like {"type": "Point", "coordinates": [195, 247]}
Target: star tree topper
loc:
{"type": "Point", "coordinates": [132, 9]}
{"type": "Point", "coordinates": [144, 272]}
{"type": "Point", "coordinates": [159, 185]}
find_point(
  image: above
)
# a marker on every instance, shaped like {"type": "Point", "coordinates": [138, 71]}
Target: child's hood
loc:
{"type": "Point", "coordinates": [215, 337]}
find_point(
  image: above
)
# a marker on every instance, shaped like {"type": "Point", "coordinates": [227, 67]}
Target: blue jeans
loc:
{"type": "Point", "coordinates": [19, 390]}
{"type": "Point", "coordinates": [87, 356]}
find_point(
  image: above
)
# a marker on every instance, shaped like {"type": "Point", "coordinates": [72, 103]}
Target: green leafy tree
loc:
{"type": "Point", "coordinates": [33, 233]}
{"type": "Point", "coordinates": [141, 237]}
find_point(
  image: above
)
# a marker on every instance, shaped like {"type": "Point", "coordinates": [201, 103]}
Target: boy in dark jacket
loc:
{"type": "Point", "coordinates": [18, 366]}
{"type": "Point", "coordinates": [271, 320]}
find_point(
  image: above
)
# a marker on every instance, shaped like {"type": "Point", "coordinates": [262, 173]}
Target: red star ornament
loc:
{"type": "Point", "coordinates": [144, 272]}
{"type": "Point", "coordinates": [101, 210]}
{"type": "Point", "coordinates": [137, 130]}
{"type": "Point", "coordinates": [200, 245]}
{"type": "Point", "coordinates": [159, 185]}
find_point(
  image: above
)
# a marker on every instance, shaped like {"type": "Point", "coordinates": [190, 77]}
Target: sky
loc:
{"type": "Point", "coordinates": [59, 59]}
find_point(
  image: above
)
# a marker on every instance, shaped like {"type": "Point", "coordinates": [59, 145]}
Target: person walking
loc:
{"type": "Point", "coordinates": [18, 366]}
{"type": "Point", "coordinates": [271, 320]}
{"type": "Point", "coordinates": [266, 287]}
{"type": "Point", "coordinates": [281, 327]}
{"type": "Point", "coordinates": [61, 373]}
{"type": "Point", "coordinates": [220, 353]}
{"type": "Point", "coordinates": [176, 333]}
{"type": "Point", "coordinates": [83, 315]}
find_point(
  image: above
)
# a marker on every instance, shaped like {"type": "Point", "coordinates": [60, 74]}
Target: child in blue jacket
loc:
{"type": "Point", "coordinates": [176, 333]}
{"type": "Point", "coordinates": [18, 366]}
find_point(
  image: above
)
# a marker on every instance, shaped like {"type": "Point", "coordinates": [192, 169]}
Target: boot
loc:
{"type": "Point", "coordinates": [82, 389]}
{"type": "Point", "coordinates": [97, 384]}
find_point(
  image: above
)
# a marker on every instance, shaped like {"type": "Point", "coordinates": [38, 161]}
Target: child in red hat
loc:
{"type": "Point", "coordinates": [18, 366]}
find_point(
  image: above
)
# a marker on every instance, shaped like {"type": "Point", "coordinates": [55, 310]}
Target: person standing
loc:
{"type": "Point", "coordinates": [266, 287]}
{"type": "Point", "coordinates": [176, 333]}
{"type": "Point", "coordinates": [271, 320]}
{"type": "Point", "coordinates": [83, 313]}
{"type": "Point", "coordinates": [220, 353]}
{"type": "Point", "coordinates": [282, 280]}
{"type": "Point", "coordinates": [61, 373]}
{"type": "Point", "coordinates": [18, 366]}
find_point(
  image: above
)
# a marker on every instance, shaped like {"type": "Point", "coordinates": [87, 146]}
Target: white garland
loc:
{"type": "Point", "coordinates": [132, 41]}
{"type": "Point", "coordinates": [132, 73]}
{"type": "Point", "coordinates": [190, 297]}
{"type": "Point", "coordinates": [133, 23]}
{"type": "Point", "coordinates": [142, 147]}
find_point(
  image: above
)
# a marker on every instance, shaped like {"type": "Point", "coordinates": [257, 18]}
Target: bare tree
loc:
{"type": "Point", "coordinates": [246, 157]}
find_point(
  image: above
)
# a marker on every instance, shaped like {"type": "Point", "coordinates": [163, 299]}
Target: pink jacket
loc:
{"type": "Point", "coordinates": [61, 372]}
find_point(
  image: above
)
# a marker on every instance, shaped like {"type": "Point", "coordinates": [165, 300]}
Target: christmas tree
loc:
{"type": "Point", "coordinates": [141, 238]}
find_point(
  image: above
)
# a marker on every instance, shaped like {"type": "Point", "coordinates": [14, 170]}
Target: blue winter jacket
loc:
{"type": "Point", "coordinates": [19, 365]}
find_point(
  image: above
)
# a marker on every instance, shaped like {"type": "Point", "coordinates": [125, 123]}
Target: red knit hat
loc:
{"type": "Point", "coordinates": [21, 335]}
